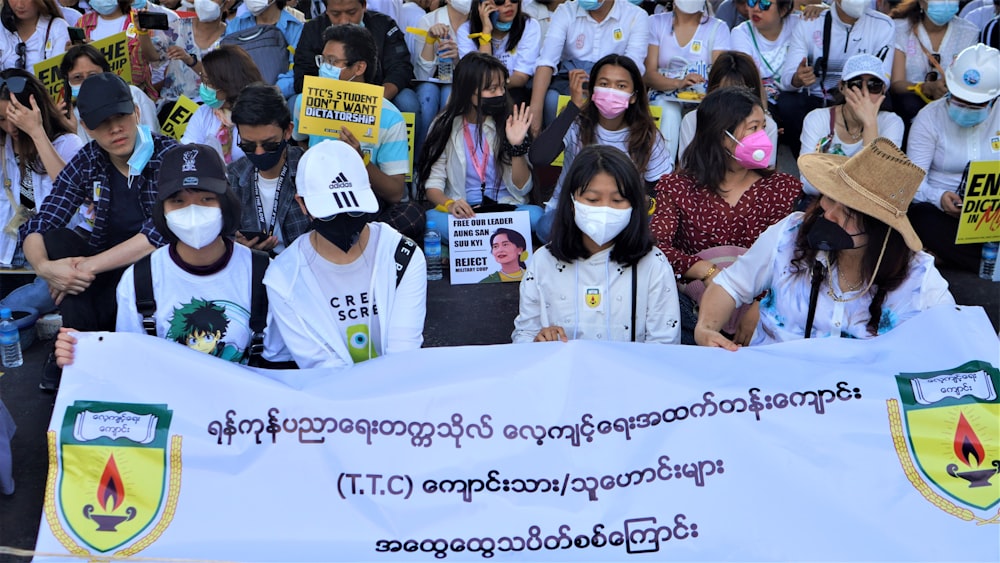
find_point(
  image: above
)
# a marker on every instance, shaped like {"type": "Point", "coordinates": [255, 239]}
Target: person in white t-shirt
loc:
{"type": "Point", "coordinates": [349, 290]}
{"type": "Point", "coordinates": [202, 282]}
{"type": "Point", "coordinates": [32, 31]}
{"type": "Point", "coordinates": [765, 37]}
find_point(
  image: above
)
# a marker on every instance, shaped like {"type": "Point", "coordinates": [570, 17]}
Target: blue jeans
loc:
{"type": "Point", "coordinates": [431, 98]}
{"type": "Point", "coordinates": [34, 295]}
{"type": "Point", "coordinates": [558, 87]}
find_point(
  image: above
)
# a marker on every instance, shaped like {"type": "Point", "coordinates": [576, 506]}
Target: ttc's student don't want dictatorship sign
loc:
{"type": "Point", "coordinates": [817, 450]}
{"type": "Point", "coordinates": [327, 105]}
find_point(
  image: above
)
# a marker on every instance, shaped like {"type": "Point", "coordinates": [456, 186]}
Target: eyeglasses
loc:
{"type": "Point", "coordinates": [320, 59]}
{"type": "Point", "coordinates": [22, 55]}
{"type": "Point", "coordinates": [15, 84]}
{"type": "Point", "coordinates": [765, 5]}
{"type": "Point", "coordinates": [875, 86]}
{"type": "Point", "coordinates": [250, 147]}
{"type": "Point", "coordinates": [960, 103]}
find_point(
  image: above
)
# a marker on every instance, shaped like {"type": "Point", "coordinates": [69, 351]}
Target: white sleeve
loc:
{"type": "Point", "coordinates": [195, 130]}
{"type": "Point", "coordinates": [723, 38]}
{"type": "Point", "coordinates": [815, 126]}
{"type": "Point", "coordinates": [752, 272]}
{"type": "Point", "coordinates": [663, 314]}
{"type": "Point", "coordinates": [409, 307]}
{"type": "Point", "coordinates": [555, 38]}
{"type": "Point", "coordinates": [128, 318]}
{"type": "Point", "coordinates": [306, 352]}
{"type": "Point", "coordinates": [920, 147]}
{"type": "Point", "coordinates": [688, 126]}
{"type": "Point", "coordinates": [465, 45]}
{"type": "Point", "coordinates": [422, 70]}
{"type": "Point", "coordinates": [526, 56]}
{"type": "Point", "coordinates": [772, 133]}
{"type": "Point", "coordinates": [147, 109]}
{"type": "Point", "coordinates": [891, 127]}
{"type": "Point", "coordinates": [528, 323]}
{"type": "Point", "coordinates": [638, 39]}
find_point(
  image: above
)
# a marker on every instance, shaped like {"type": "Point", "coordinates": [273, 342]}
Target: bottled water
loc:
{"type": "Point", "coordinates": [432, 252]}
{"type": "Point", "coordinates": [988, 265]}
{"type": "Point", "coordinates": [445, 65]}
{"type": "Point", "coordinates": [10, 340]}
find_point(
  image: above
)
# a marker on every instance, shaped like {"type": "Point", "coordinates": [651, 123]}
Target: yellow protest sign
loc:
{"type": "Point", "coordinates": [980, 220]}
{"type": "Point", "coordinates": [115, 50]}
{"type": "Point", "coordinates": [328, 104]}
{"type": "Point", "coordinates": [176, 122]}
{"type": "Point", "coordinates": [655, 111]}
{"type": "Point", "coordinates": [410, 119]}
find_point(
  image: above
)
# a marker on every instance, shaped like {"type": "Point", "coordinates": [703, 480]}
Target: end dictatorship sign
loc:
{"type": "Point", "coordinates": [816, 450]}
{"type": "Point", "coordinates": [328, 104]}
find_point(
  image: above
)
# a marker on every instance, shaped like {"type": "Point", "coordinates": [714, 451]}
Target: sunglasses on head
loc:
{"type": "Point", "coordinates": [15, 84]}
{"type": "Point", "coordinates": [874, 84]}
{"type": "Point", "coordinates": [250, 147]}
{"type": "Point", "coordinates": [765, 5]}
{"type": "Point", "coordinates": [22, 55]}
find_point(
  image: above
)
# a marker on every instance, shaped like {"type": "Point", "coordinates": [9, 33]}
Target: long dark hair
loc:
{"type": "Point", "coordinates": [706, 159]}
{"type": "Point", "coordinates": [516, 28]}
{"type": "Point", "coordinates": [567, 239]}
{"type": "Point", "coordinates": [229, 70]}
{"type": "Point", "coordinates": [53, 123]}
{"type": "Point", "coordinates": [891, 272]}
{"type": "Point", "coordinates": [515, 238]}
{"type": "Point", "coordinates": [642, 129]}
{"type": "Point", "coordinates": [733, 68]}
{"type": "Point", "coordinates": [474, 73]}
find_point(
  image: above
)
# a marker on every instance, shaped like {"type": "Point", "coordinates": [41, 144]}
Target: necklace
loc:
{"type": "Point", "coordinates": [855, 137]}
{"type": "Point", "coordinates": [840, 298]}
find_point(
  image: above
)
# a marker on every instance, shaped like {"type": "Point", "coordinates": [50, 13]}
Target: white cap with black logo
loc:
{"type": "Point", "coordinates": [332, 179]}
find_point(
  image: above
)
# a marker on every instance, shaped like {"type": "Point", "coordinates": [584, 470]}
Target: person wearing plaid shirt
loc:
{"type": "Point", "coordinates": [115, 177]}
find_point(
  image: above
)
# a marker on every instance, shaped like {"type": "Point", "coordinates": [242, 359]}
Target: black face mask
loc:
{"type": "Point", "coordinates": [494, 106]}
{"type": "Point", "coordinates": [268, 160]}
{"type": "Point", "coordinates": [342, 230]}
{"type": "Point", "coordinates": [829, 236]}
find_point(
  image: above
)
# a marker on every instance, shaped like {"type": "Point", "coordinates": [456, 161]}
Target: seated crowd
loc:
{"type": "Point", "coordinates": [668, 119]}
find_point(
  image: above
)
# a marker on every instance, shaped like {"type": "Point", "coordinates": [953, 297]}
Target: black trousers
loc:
{"type": "Point", "coordinates": [790, 112]}
{"type": "Point", "coordinates": [96, 307]}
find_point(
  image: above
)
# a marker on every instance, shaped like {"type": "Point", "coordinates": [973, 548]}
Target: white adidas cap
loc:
{"type": "Point", "coordinates": [332, 179]}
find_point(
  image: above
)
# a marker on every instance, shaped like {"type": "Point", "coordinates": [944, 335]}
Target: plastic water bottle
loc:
{"type": "Point", "coordinates": [432, 252]}
{"type": "Point", "coordinates": [988, 265]}
{"type": "Point", "coordinates": [10, 340]}
{"type": "Point", "coordinates": [445, 66]}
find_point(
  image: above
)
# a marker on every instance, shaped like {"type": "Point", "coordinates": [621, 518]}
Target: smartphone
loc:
{"type": "Point", "coordinates": [586, 86]}
{"type": "Point", "coordinates": [77, 35]}
{"type": "Point", "coordinates": [152, 20]}
{"type": "Point", "coordinates": [250, 235]}
{"type": "Point", "coordinates": [494, 18]}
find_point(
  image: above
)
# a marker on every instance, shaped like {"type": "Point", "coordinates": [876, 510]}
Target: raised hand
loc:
{"type": "Point", "coordinates": [518, 123]}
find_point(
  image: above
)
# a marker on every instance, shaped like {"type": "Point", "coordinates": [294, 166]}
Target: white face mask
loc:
{"type": "Point", "coordinates": [257, 7]}
{"type": "Point", "coordinates": [689, 6]}
{"type": "Point", "coordinates": [854, 8]}
{"type": "Point", "coordinates": [195, 225]}
{"type": "Point", "coordinates": [601, 224]}
{"type": "Point", "coordinates": [463, 6]}
{"type": "Point", "coordinates": [207, 10]}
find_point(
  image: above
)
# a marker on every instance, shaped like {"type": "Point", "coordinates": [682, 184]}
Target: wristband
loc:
{"type": "Point", "coordinates": [139, 31]}
{"type": "Point", "coordinates": [519, 150]}
{"type": "Point", "coordinates": [711, 271]}
{"type": "Point", "coordinates": [194, 60]}
{"type": "Point", "coordinates": [918, 90]}
{"type": "Point", "coordinates": [447, 203]}
{"type": "Point", "coordinates": [485, 38]}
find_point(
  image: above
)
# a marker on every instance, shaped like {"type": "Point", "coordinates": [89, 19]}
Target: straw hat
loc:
{"type": "Point", "coordinates": [879, 181]}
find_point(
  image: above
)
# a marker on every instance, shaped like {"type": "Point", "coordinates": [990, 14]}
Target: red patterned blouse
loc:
{"type": "Point", "coordinates": [690, 217]}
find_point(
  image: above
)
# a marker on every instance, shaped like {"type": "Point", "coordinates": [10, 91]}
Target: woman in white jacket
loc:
{"type": "Point", "coordinates": [600, 278]}
{"type": "Point", "coordinates": [349, 290]}
{"type": "Point", "coordinates": [468, 163]}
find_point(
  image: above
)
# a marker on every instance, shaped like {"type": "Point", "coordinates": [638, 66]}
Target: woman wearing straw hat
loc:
{"type": "Point", "coordinates": [849, 266]}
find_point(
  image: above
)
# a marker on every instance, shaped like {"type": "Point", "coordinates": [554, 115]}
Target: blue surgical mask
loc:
{"type": "Point", "coordinates": [138, 4]}
{"type": "Point", "coordinates": [329, 71]}
{"type": "Point", "coordinates": [968, 117]}
{"type": "Point", "coordinates": [636, 2]}
{"type": "Point", "coordinates": [104, 7]}
{"type": "Point", "coordinates": [209, 97]}
{"type": "Point", "coordinates": [590, 5]}
{"type": "Point", "coordinates": [142, 152]}
{"type": "Point", "coordinates": [74, 90]}
{"type": "Point", "coordinates": [505, 26]}
{"type": "Point", "coordinates": [942, 12]}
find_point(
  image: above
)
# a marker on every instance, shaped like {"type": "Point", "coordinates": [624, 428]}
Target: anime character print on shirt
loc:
{"type": "Point", "coordinates": [202, 325]}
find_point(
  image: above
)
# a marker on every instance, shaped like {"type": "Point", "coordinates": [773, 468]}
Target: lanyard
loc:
{"type": "Point", "coordinates": [479, 166]}
{"type": "Point", "coordinates": [774, 75]}
{"type": "Point", "coordinates": [260, 204]}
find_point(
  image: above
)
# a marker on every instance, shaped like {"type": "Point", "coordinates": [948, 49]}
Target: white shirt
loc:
{"type": "Point", "coordinates": [424, 70]}
{"type": "Point", "coordinates": [676, 61]}
{"type": "Point", "coordinates": [981, 16]}
{"type": "Point", "coordinates": [310, 330]}
{"type": "Point", "coordinates": [176, 291]}
{"type": "Point", "coordinates": [267, 188]}
{"type": "Point", "coordinates": [873, 33]}
{"type": "Point", "coordinates": [203, 128]}
{"type": "Point", "coordinates": [690, 123]}
{"type": "Point", "coordinates": [521, 59]}
{"type": "Point", "coordinates": [538, 12]}
{"type": "Point", "coordinates": [942, 148]}
{"type": "Point", "coordinates": [770, 56]}
{"type": "Point", "coordinates": [783, 312]}
{"type": "Point", "coordinates": [816, 131]}
{"type": "Point", "coordinates": [107, 28]}
{"type": "Point", "coordinates": [38, 48]}
{"type": "Point", "coordinates": [574, 35]}
{"type": "Point", "coordinates": [592, 299]}
{"type": "Point", "coordinates": [957, 36]}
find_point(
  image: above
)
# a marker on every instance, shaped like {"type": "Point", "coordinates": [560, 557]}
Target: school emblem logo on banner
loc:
{"type": "Point", "coordinates": [118, 477]}
{"type": "Point", "coordinates": [950, 423]}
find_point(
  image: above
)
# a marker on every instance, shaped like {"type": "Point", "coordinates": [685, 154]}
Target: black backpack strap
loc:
{"type": "Point", "coordinates": [258, 303]}
{"type": "Point", "coordinates": [824, 61]}
{"type": "Point", "coordinates": [404, 252]}
{"type": "Point", "coordinates": [145, 302]}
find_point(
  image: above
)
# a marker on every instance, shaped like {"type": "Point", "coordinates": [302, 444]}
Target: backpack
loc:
{"type": "Point", "coordinates": [266, 45]}
{"type": "Point", "coordinates": [145, 302]}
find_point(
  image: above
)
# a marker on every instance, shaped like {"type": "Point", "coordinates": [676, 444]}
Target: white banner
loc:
{"type": "Point", "coordinates": [816, 450]}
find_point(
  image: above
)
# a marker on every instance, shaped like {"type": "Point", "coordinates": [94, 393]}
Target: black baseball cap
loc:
{"type": "Point", "coordinates": [195, 167]}
{"type": "Point", "coordinates": [102, 96]}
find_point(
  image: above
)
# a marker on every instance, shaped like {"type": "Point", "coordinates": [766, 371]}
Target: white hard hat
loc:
{"type": "Point", "coordinates": [974, 76]}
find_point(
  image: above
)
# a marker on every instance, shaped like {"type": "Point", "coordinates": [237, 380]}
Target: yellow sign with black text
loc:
{"type": "Point", "coordinates": [115, 50]}
{"type": "Point", "coordinates": [980, 220]}
{"type": "Point", "coordinates": [328, 104]}
{"type": "Point", "coordinates": [176, 123]}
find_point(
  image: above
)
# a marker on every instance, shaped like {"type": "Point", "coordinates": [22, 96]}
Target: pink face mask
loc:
{"type": "Point", "coordinates": [754, 151]}
{"type": "Point", "coordinates": [610, 102]}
